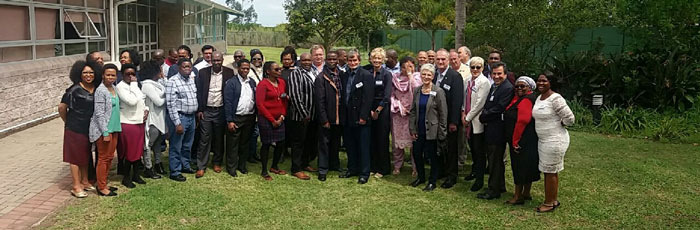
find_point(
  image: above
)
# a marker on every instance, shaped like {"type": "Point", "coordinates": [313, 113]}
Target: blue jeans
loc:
{"type": "Point", "coordinates": [181, 144]}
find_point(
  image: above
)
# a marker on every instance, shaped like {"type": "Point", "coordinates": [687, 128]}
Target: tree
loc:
{"type": "Point", "coordinates": [427, 15]}
{"type": "Point", "coordinates": [249, 14]}
{"type": "Point", "coordinates": [332, 20]}
{"type": "Point", "coordinates": [460, 21]}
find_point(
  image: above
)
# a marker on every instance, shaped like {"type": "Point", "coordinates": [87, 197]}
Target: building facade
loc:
{"type": "Point", "coordinates": [41, 39]}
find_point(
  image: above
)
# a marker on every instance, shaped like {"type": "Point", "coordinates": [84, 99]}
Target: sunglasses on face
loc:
{"type": "Point", "coordinates": [494, 58]}
{"type": "Point", "coordinates": [476, 67]}
{"type": "Point", "coordinates": [521, 86]}
{"type": "Point", "coordinates": [257, 59]}
{"type": "Point", "coordinates": [86, 72]}
{"type": "Point", "coordinates": [238, 56]}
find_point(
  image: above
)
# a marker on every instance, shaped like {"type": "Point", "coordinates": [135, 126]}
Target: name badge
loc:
{"type": "Point", "coordinates": [433, 93]}
{"type": "Point", "coordinates": [491, 99]}
{"type": "Point", "coordinates": [358, 85]}
{"type": "Point", "coordinates": [378, 83]}
{"type": "Point", "coordinates": [447, 87]}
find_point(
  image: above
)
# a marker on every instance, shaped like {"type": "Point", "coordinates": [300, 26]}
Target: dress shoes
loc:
{"type": "Point", "coordinates": [322, 177]}
{"type": "Point", "coordinates": [151, 174]}
{"type": "Point", "coordinates": [217, 168]}
{"type": "Point", "coordinates": [310, 169]}
{"type": "Point", "coordinates": [449, 183]}
{"type": "Point", "coordinates": [111, 193]}
{"type": "Point", "coordinates": [200, 173]}
{"type": "Point", "coordinates": [362, 180]}
{"type": "Point", "coordinates": [233, 174]}
{"type": "Point", "coordinates": [488, 195]}
{"type": "Point", "coordinates": [478, 184]}
{"type": "Point", "coordinates": [417, 182]}
{"type": "Point", "coordinates": [136, 178]}
{"type": "Point", "coordinates": [179, 178]}
{"type": "Point", "coordinates": [430, 187]}
{"type": "Point", "coordinates": [301, 176]}
{"type": "Point", "coordinates": [243, 171]}
{"type": "Point", "coordinates": [347, 175]}
{"type": "Point", "coordinates": [278, 171]}
{"type": "Point", "coordinates": [158, 168]}
{"type": "Point", "coordinates": [187, 170]}
{"type": "Point", "coordinates": [470, 177]}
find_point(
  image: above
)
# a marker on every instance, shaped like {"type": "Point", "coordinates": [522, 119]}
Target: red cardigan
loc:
{"type": "Point", "coordinates": [268, 101]}
{"type": "Point", "coordinates": [524, 117]}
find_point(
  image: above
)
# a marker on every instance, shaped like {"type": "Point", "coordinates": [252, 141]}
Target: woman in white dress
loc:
{"type": "Point", "coordinates": [552, 115]}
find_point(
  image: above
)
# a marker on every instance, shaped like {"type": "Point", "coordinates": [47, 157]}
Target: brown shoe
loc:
{"type": "Point", "coordinates": [310, 169]}
{"type": "Point", "coordinates": [301, 176]}
{"type": "Point", "coordinates": [217, 168]}
{"type": "Point", "coordinates": [267, 177]}
{"type": "Point", "coordinates": [200, 173]}
{"type": "Point", "coordinates": [278, 171]}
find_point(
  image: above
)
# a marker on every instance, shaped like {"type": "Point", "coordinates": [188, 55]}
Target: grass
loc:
{"type": "Point", "coordinates": [608, 183]}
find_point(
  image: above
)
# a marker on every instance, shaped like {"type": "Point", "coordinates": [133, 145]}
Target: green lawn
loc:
{"type": "Point", "coordinates": [608, 183]}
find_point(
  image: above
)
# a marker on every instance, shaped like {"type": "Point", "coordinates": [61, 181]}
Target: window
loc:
{"type": "Point", "coordinates": [138, 27]}
{"type": "Point", "coordinates": [51, 28]}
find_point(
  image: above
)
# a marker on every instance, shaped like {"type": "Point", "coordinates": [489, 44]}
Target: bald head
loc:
{"type": "Point", "coordinates": [159, 56]}
{"type": "Point", "coordinates": [305, 61]}
{"type": "Point", "coordinates": [172, 55]}
{"type": "Point", "coordinates": [392, 58]}
{"type": "Point", "coordinates": [217, 60]}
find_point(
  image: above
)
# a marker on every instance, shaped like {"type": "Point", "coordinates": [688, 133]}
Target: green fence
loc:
{"type": "Point", "coordinates": [257, 38]}
{"type": "Point", "coordinates": [415, 40]}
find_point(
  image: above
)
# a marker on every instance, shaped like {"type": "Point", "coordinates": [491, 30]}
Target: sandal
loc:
{"type": "Point", "coordinates": [551, 206]}
{"type": "Point", "coordinates": [90, 188]}
{"type": "Point", "coordinates": [81, 194]}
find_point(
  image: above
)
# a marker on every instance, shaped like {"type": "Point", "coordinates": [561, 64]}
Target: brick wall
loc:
{"type": "Point", "coordinates": [30, 91]}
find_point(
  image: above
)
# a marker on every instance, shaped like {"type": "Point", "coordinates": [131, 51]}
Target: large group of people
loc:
{"type": "Point", "coordinates": [440, 106]}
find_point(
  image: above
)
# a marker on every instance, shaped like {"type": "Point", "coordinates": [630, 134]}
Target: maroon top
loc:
{"type": "Point", "coordinates": [269, 101]}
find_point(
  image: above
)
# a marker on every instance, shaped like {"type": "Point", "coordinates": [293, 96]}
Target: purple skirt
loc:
{"type": "Point", "coordinates": [131, 141]}
{"type": "Point", "coordinates": [76, 148]}
{"type": "Point", "coordinates": [268, 134]}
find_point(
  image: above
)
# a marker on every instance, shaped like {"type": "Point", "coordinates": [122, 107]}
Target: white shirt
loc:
{"type": "Point", "coordinates": [201, 65]}
{"type": "Point", "coordinates": [316, 70]}
{"type": "Point", "coordinates": [165, 68]}
{"type": "Point", "coordinates": [246, 105]}
{"type": "Point", "coordinates": [215, 98]}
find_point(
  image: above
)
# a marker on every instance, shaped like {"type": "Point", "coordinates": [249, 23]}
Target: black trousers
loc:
{"type": "Point", "coordinates": [211, 137]}
{"type": "Point", "coordinates": [450, 156]}
{"type": "Point", "coordinates": [264, 152]}
{"type": "Point", "coordinates": [423, 149]}
{"type": "Point", "coordinates": [477, 146]}
{"type": "Point", "coordinates": [357, 140]}
{"type": "Point", "coordinates": [379, 145]}
{"type": "Point", "coordinates": [237, 143]}
{"type": "Point", "coordinates": [328, 148]}
{"type": "Point", "coordinates": [497, 180]}
{"type": "Point", "coordinates": [304, 142]}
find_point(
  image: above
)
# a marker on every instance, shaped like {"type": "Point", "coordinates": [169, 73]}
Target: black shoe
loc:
{"type": "Point", "coordinates": [347, 175]}
{"type": "Point", "coordinates": [136, 176]}
{"type": "Point", "coordinates": [111, 193]}
{"type": "Point", "coordinates": [149, 173]}
{"type": "Point", "coordinates": [187, 170]}
{"type": "Point", "coordinates": [470, 177]}
{"type": "Point", "coordinates": [429, 187]}
{"type": "Point", "coordinates": [138, 179]}
{"type": "Point", "coordinates": [243, 171]}
{"type": "Point", "coordinates": [128, 183]}
{"type": "Point", "coordinates": [478, 184]}
{"type": "Point", "coordinates": [322, 177]}
{"type": "Point", "coordinates": [449, 183]}
{"type": "Point", "coordinates": [158, 168]}
{"type": "Point", "coordinates": [233, 174]}
{"type": "Point", "coordinates": [362, 180]}
{"type": "Point", "coordinates": [417, 182]}
{"type": "Point", "coordinates": [115, 189]}
{"type": "Point", "coordinates": [179, 178]}
{"type": "Point", "coordinates": [488, 195]}
{"type": "Point", "coordinates": [127, 178]}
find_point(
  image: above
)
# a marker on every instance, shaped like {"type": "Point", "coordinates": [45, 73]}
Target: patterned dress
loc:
{"type": "Point", "coordinates": [401, 100]}
{"type": "Point", "coordinates": [551, 115]}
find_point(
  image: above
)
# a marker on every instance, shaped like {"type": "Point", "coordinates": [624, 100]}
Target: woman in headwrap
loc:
{"type": "Point", "coordinates": [401, 99]}
{"type": "Point", "coordinates": [522, 139]}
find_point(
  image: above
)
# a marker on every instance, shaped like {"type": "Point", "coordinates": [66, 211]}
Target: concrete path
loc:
{"type": "Point", "coordinates": [34, 180]}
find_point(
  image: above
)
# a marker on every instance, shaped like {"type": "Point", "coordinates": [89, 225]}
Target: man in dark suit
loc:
{"type": "Point", "coordinates": [357, 95]}
{"type": "Point", "coordinates": [239, 106]}
{"type": "Point", "coordinates": [451, 82]}
{"type": "Point", "coordinates": [492, 117]}
{"type": "Point", "coordinates": [210, 113]}
{"type": "Point", "coordinates": [327, 94]}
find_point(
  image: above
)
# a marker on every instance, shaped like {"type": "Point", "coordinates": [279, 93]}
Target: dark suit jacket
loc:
{"type": "Point", "coordinates": [232, 92]}
{"type": "Point", "coordinates": [203, 82]}
{"type": "Point", "coordinates": [496, 103]}
{"type": "Point", "coordinates": [453, 85]}
{"type": "Point", "coordinates": [328, 98]}
{"type": "Point", "coordinates": [361, 94]}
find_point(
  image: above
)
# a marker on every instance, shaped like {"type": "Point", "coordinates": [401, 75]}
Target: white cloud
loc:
{"type": "Point", "coordinates": [270, 12]}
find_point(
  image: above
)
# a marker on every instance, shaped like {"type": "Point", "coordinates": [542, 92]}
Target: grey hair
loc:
{"type": "Point", "coordinates": [428, 66]}
{"type": "Point", "coordinates": [466, 49]}
{"type": "Point", "coordinates": [353, 52]}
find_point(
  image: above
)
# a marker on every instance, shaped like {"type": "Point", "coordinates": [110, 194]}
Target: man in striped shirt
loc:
{"type": "Point", "coordinates": [302, 121]}
{"type": "Point", "coordinates": [181, 101]}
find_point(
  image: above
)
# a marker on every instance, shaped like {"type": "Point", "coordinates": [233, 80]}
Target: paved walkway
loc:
{"type": "Point", "coordinates": [34, 181]}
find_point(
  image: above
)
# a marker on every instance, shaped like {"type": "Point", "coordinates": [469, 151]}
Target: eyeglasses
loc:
{"type": "Point", "coordinates": [476, 67]}
{"type": "Point", "coordinates": [86, 72]}
{"type": "Point", "coordinates": [278, 69]}
{"type": "Point", "coordinates": [257, 59]}
{"type": "Point", "coordinates": [238, 56]}
{"type": "Point", "coordinates": [521, 86]}
{"type": "Point", "coordinates": [494, 58]}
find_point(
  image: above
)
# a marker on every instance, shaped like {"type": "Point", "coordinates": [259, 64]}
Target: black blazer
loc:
{"type": "Point", "coordinates": [328, 98]}
{"type": "Point", "coordinates": [361, 94]}
{"type": "Point", "coordinates": [453, 85]}
{"type": "Point", "coordinates": [203, 81]}
{"type": "Point", "coordinates": [382, 87]}
{"type": "Point", "coordinates": [232, 93]}
{"type": "Point", "coordinates": [492, 115]}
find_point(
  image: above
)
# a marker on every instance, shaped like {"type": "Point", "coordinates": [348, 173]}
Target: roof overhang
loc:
{"type": "Point", "coordinates": [219, 7]}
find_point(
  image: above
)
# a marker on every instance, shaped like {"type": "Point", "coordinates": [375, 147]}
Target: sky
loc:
{"type": "Point", "coordinates": [270, 12]}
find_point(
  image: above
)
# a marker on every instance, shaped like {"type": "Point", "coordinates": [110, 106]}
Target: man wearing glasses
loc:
{"type": "Point", "coordinates": [237, 56]}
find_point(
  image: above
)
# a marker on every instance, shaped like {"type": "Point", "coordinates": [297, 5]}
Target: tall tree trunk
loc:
{"type": "Point", "coordinates": [460, 21]}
